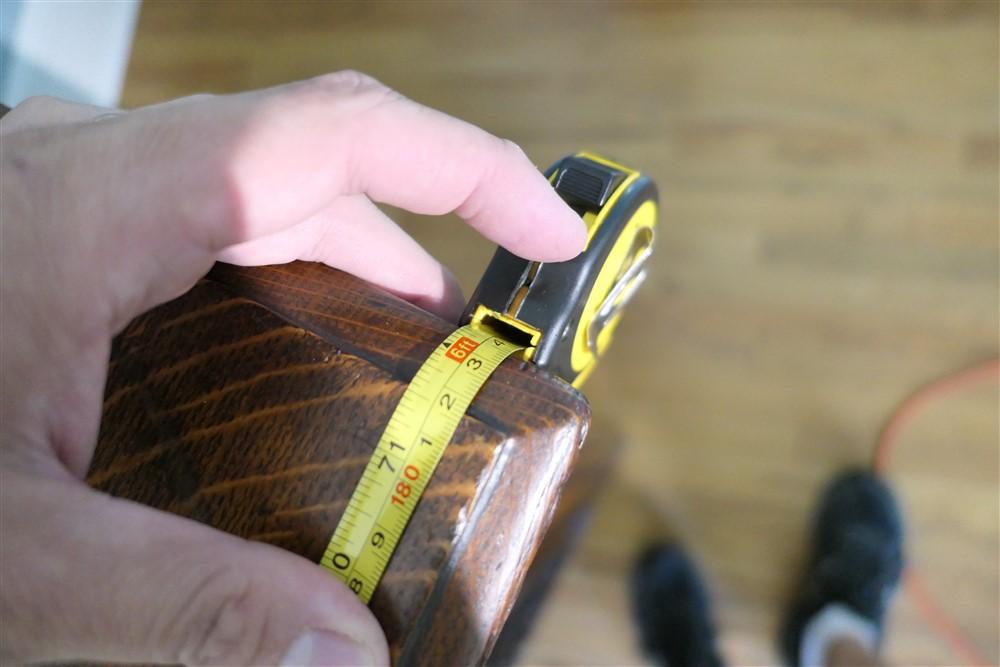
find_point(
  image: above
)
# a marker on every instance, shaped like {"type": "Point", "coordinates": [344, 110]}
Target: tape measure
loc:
{"type": "Point", "coordinates": [561, 316]}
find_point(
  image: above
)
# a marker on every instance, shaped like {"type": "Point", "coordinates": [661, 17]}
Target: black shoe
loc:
{"type": "Point", "coordinates": [857, 556]}
{"type": "Point", "coordinates": [671, 607]}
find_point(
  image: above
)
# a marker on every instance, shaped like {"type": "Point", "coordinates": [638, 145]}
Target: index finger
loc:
{"type": "Point", "coordinates": [288, 151]}
{"type": "Point", "coordinates": [147, 199]}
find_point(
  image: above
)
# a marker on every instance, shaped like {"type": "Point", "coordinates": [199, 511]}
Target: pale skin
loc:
{"type": "Point", "coordinates": [106, 214]}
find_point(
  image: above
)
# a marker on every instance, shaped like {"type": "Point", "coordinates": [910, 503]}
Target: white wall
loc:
{"type": "Point", "coordinates": [76, 50]}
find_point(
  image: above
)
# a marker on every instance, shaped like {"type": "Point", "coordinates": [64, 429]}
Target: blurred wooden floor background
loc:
{"type": "Point", "coordinates": [830, 204]}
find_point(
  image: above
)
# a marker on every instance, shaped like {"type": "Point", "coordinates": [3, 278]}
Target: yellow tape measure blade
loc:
{"type": "Point", "coordinates": [407, 454]}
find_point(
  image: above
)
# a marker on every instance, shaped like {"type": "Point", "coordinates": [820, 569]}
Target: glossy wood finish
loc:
{"type": "Point", "coordinates": [253, 402]}
{"type": "Point", "coordinates": [828, 174]}
{"type": "Point", "coordinates": [593, 470]}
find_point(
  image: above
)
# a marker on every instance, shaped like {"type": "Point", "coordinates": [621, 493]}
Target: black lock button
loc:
{"type": "Point", "coordinates": [585, 185]}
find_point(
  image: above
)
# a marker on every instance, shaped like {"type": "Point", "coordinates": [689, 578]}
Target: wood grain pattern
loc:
{"type": "Point", "coordinates": [253, 402]}
{"type": "Point", "coordinates": [829, 184]}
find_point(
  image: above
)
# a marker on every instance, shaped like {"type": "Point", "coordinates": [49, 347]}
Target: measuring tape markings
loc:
{"type": "Point", "coordinates": [407, 453]}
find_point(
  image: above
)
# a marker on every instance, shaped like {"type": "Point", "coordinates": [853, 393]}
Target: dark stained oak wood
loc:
{"type": "Point", "coordinates": [595, 465]}
{"type": "Point", "coordinates": [253, 402]}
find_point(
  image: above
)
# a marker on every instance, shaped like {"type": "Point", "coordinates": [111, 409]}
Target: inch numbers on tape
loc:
{"type": "Point", "coordinates": [407, 454]}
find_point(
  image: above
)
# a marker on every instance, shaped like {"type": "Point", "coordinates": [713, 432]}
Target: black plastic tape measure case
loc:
{"type": "Point", "coordinates": [558, 292]}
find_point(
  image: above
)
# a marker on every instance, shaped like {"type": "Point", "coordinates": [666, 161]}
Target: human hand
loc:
{"type": "Point", "coordinates": [106, 214]}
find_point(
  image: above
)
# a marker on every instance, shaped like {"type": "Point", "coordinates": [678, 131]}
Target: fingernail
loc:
{"type": "Point", "coordinates": [318, 648]}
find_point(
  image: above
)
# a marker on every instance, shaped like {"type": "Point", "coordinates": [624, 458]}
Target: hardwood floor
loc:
{"type": "Point", "coordinates": [829, 184]}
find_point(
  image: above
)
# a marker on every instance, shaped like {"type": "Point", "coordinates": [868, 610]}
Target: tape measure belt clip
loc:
{"type": "Point", "coordinates": [624, 289]}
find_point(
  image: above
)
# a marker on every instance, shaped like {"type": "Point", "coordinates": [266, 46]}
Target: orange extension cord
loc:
{"type": "Point", "coordinates": [933, 613]}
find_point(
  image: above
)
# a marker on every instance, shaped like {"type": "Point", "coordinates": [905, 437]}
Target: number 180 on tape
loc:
{"type": "Point", "coordinates": [407, 454]}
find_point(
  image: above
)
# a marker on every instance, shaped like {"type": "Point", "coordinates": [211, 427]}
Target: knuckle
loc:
{"type": "Point", "coordinates": [513, 148]}
{"type": "Point", "coordinates": [348, 79]}
{"type": "Point", "coordinates": [196, 98]}
{"type": "Point", "coordinates": [36, 103]}
{"type": "Point", "coordinates": [42, 110]}
{"type": "Point", "coordinates": [28, 112]}
{"type": "Point", "coordinates": [349, 84]}
{"type": "Point", "coordinates": [224, 624]}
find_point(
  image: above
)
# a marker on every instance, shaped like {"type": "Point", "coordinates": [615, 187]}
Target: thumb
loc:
{"type": "Point", "coordinates": [99, 578]}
